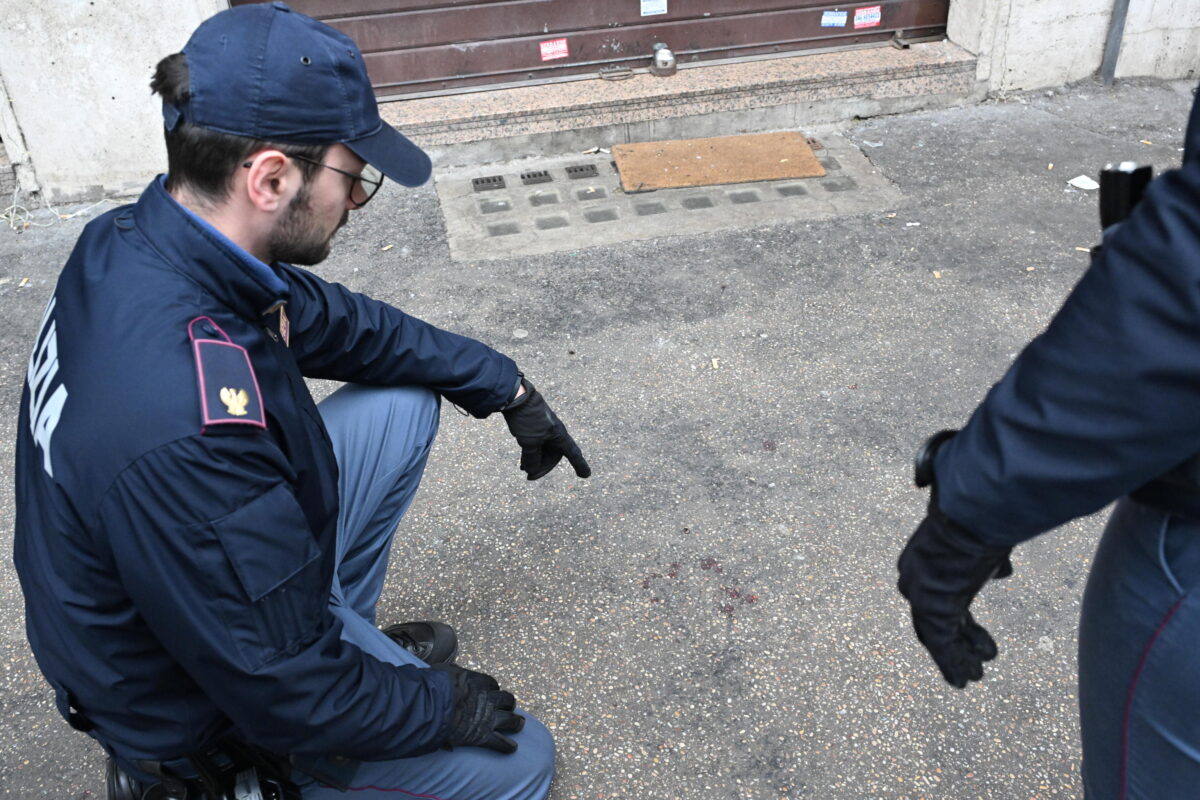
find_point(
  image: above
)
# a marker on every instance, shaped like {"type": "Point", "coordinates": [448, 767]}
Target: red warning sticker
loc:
{"type": "Point", "coordinates": [554, 48]}
{"type": "Point", "coordinates": [869, 17]}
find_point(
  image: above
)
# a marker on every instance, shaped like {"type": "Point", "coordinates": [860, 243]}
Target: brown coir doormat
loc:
{"type": "Point", "coordinates": [646, 166]}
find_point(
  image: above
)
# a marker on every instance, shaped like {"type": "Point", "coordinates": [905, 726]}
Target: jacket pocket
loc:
{"type": "Point", "coordinates": [277, 566]}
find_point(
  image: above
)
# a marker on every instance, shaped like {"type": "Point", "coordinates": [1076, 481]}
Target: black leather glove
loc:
{"type": "Point", "coordinates": [942, 568]}
{"type": "Point", "coordinates": [482, 712]}
{"type": "Point", "coordinates": [543, 438]}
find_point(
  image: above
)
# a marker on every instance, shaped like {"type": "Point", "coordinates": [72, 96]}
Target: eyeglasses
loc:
{"type": "Point", "coordinates": [363, 186]}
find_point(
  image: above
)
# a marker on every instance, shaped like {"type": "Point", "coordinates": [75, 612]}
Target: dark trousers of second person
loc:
{"type": "Point", "coordinates": [1139, 658]}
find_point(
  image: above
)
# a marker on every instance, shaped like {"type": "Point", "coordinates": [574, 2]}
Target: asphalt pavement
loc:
{"type": "Point", "coordinates": [713, 613]}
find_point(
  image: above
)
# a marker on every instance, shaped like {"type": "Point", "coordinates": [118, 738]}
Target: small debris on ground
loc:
{"type": "Point", "coordinates": [1084, 182]}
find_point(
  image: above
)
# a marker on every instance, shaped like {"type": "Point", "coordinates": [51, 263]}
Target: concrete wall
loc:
{"type": "Point", "coordinates": [1162, 38]}
{"type": "Point", "coordinates": [1029, 44]}
{"type": "Point", "coordinates": [76, 114]}
{"type": "Point", "coordinates": [12, 149]}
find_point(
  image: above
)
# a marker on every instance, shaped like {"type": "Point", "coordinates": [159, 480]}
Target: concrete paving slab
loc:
{"type": "Point", "coordinates": [713, 614]}
{"type": "Point", "coordinates": [576, 201]}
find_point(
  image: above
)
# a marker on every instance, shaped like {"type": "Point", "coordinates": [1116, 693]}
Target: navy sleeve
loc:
{"type": "Point", "coordinates": [1108, 397]}
{"type": "Point", "coordinates": [347, 336]}
{"type": "Point", "coordinates": [213, 548]}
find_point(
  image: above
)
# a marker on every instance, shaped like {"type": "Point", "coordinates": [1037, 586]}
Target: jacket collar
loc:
{"type": "Point", "coordinates": [202, 253]}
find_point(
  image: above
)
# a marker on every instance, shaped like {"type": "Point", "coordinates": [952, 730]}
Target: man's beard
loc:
{"type": "Point", "coordinates": [296, 239]}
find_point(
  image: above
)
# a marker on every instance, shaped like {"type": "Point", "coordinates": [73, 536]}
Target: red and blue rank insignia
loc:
{"type": "Point", "coordinates": [229, 393]}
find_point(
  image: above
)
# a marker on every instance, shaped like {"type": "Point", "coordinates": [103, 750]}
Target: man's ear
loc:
{"type": "Point", "coordinates": [270, 179]}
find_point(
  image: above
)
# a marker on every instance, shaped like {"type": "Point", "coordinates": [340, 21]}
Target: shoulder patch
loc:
{"type": "Point", "coordinates": [229, 393]}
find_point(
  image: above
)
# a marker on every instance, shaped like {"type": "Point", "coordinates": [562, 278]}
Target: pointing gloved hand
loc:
{"type": "Point", "coordinates": [942, 568]}
{"type": "Point", "coordinates": [482, 712]}
{"type": "Point", "coordinates": [543, 438]}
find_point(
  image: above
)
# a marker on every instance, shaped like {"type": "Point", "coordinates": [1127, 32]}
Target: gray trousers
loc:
{"type": "Point", "coordinates": [382, 438]}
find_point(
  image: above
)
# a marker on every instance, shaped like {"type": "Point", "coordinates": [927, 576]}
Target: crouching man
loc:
{"type": "Point", "coordinates": [201, 547]}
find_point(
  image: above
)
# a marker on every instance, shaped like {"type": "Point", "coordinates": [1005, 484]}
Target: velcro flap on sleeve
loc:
{"type": "Point", "coordinates": [267, 541]}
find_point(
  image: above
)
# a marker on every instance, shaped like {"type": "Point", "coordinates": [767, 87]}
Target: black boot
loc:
{"type": "Point", "coordinates": [119, 785]}
{"type": "Point", "coordinates": [432, 642]}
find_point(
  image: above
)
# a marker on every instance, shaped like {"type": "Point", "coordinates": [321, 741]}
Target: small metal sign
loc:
{"type": "Point", "coordinates": [834, 18]}
{"type": "Point", "coordinates": [868, 17]}
{"type": "Point", "coordinates": [554, 48]}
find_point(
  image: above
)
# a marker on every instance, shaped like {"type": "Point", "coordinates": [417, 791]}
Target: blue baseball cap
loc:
{"type": "Point", "coordinates": [267, 72]}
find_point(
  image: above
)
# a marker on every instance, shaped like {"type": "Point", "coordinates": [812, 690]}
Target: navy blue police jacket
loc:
{"type": "Point", "coordinates": [1107, 398]}
{"type": "Point", "coordinates": [175, 520]}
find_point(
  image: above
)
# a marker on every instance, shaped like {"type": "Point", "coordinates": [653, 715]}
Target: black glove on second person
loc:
{"type": "Point", "coordinates": [942, 568]}
{"type": "Point", "coordinates": [543, 438]}
{"type": "Point", "coordinates": [482, 712]}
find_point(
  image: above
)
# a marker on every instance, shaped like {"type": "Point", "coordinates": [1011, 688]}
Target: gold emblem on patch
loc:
{"type": "Point", "coordinates": [235, 401]}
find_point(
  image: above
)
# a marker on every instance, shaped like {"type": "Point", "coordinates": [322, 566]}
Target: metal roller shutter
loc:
{"type": "Point", "coordinates": [430, 47]}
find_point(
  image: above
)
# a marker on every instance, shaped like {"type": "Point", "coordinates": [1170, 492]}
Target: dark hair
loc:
{"type": "Point", "coordinates": [204, 161]}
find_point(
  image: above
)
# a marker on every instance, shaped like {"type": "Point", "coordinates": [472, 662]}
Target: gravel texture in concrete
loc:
{"type": "Point", "coordinates": [713, 614]}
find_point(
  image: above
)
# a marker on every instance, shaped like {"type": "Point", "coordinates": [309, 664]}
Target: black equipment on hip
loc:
{"type": "Point", "coordinates": [1121, 188]}
{"type": "Point", "coordinates": [231, 770]}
